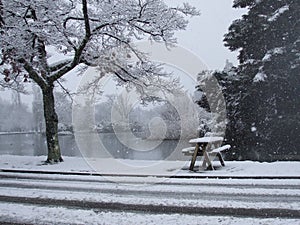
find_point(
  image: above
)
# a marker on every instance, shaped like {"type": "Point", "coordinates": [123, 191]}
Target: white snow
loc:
{"type": "Point", "coordinates": [278, 12]}
{"type": "Point", "coordinates": [270, 53]}
{"type": "Point", "coordinates": [206, 139]}
{"type": "Point", "coordinates": [45, 215]}
{"type": "Point", "coordinates": [110, 166]}
{"type": "Point", "coordinates": [55, 186]}
{"type": "Point", "coordinates": [158, 199]}
{"type": "Point", "coordinates": [260, 76]}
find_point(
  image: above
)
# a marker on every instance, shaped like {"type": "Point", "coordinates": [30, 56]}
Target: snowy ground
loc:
{"type": "Point", "coordinates": [164, 168]}
{"type": "Point", "coordinates": [45, 215]}
{"type": "Point", "coordinates": [197, 197]}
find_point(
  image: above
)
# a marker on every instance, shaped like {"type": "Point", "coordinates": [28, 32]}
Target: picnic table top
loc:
{"type": "Point", "coordinates": [206, 140]}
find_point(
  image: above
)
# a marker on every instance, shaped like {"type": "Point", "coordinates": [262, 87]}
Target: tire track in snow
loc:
{"type": "Point", "coordinates": [191, 195]}
{"type": "Point", "coordinates": [159, 209]}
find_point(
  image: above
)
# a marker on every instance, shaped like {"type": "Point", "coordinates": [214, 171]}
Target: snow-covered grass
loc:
{"type": "Point", "coordinates": [109, 166]}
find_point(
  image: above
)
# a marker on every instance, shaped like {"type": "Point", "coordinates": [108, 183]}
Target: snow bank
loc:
{"type": "Point", "coordinates": [151, 168]}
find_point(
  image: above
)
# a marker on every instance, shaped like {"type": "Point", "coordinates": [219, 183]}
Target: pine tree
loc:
{"type": "Point", "coordinates": [267, 84]}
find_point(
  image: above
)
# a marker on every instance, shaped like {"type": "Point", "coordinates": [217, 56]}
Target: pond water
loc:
{"type": "Point", "coordinates": [34, 144]}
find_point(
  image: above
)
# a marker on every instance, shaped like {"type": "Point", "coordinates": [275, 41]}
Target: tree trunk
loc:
{"type": "Point", "coordinates": [51, 119]}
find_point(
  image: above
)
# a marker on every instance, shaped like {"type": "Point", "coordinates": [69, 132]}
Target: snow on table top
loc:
{"type": "Point", "coordinates": [206, 140]}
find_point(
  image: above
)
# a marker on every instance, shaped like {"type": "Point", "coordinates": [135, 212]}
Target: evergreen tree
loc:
{"type": "Point", "coordinates": [263, 98]}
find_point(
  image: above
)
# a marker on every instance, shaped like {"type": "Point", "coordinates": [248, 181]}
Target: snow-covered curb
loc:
{"type": "Point", "coordinates": [150, 168]}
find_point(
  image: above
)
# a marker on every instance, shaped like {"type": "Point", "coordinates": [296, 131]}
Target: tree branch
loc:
{"type": "Point", "coordinates": [102, 26]}
{"type": "Point", "coordinates": [86, 18]}
{"type": "Point", "coordinates": [136, 53]}
{"type": "Point", "coordinates": [33, 74]}
{"type": "Point", "coordinates": [59, 65]}
{"type": "Point", "coordinates": [1, 15]}
{"type": "Point", "coordinates": [120, 77]}
{"type": "Point", "coordinates": [65, 90]}
{"type": "Point", "coordinates": [79, 50]}
{"type": "Point", "coordinates": [61, 72]}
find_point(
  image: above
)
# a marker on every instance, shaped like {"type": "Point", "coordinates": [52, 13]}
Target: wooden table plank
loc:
{"type": "Point", "coordinates": [206, 140]}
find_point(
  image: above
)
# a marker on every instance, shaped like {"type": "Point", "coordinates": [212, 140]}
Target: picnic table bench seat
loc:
{"type": "Point", "coordinates": [190, 150]}
{"type": "Point", "coordinates": [202, 150]}
{"type": "Point", "coordinates": [220, 149]}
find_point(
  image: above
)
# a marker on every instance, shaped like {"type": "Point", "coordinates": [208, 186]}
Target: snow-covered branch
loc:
{"type": "Point", "coordinates": [86, 29]}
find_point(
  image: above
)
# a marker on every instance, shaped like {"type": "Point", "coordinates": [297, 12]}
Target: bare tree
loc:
{"type": "Point", "coordinates": [87, 32]}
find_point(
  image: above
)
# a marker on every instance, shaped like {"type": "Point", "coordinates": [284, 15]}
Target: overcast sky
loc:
{"type": "Point", "coordinates": [204, 35]}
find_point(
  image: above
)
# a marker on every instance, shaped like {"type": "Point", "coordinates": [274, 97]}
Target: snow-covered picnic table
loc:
{"type": "Point", "coordinates": [204, 147]}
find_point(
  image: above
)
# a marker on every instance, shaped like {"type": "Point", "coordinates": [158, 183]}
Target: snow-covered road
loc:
{"type": "Point", "coordinates": [69, 199]}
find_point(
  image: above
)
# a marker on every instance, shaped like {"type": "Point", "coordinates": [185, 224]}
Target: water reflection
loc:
{"type": "Point", "coordinates": [34, 144]}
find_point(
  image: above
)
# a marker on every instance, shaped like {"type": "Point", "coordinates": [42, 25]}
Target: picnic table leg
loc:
{"type": "Point", "coordinates": [208, 161]}
{"type": "Point", "coordinates": [194, 157]}
{"type": "Point", "coordinates": [221, 159]}
{"type": "Point", "coordinates": [204, 162]}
